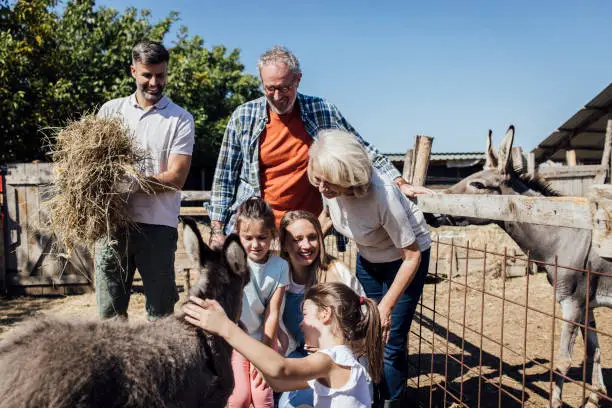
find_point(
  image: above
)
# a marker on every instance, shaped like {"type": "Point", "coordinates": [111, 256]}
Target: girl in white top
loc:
{"type": "Point", "coordinates": [262, 299]}
{"type": "Point", "coordinates": [342, 325]}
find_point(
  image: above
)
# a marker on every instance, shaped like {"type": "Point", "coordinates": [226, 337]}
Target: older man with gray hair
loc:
{"type": "Point", "coordinates": [265, 147]}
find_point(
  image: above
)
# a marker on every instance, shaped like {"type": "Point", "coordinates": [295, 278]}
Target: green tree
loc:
{"type": "Point", "coordinates": [54, 66]}
{"type": "Point", "coordinates": [211, 83]}
{"type": "Point", "coordinates": [26, 48]}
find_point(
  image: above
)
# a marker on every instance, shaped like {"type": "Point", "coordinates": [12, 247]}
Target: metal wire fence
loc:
{"type": "Point", "coordinates": [487, 333]}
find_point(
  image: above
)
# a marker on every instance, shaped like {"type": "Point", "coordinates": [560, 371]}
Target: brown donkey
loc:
{"type": "Point", "coordinates": [169, 363]}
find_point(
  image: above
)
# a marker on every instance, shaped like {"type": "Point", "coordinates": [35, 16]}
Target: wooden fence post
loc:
{"type": "Point", "coordinates": [531, 167]}
{"type": "Point", "coordinates": [408, 164]}
{"type": "Point", "coordinates": [2, 236]}
{"type": "Point", "coordinates": [605, 157]}
{"type": "Point", "coordinates": [570, 157]}
{"type": "Point", "coordinates": [600, 205]}
{"type": "Point", "coordinates": [517, 159]}
{"type": "Point", "coordinates": [422, 151]}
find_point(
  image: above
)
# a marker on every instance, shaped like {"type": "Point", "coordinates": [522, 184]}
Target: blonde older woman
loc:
{"type": "Point", "coordinates": [391, 235]}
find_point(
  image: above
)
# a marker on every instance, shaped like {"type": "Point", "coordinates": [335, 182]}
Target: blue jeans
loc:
{"type": "Point", "coordinates": [376, 278]}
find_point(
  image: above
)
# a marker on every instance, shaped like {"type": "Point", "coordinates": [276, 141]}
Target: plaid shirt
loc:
{"type": "Point", "coordinates": [237, 173]}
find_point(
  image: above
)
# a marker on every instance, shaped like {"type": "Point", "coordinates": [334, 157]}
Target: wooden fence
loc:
{"type": "Point", "coordinates": [573, 180]}
{"type": "Point", "coordinates": [31, 258]}
{"type": "Point", "coordinates": [31, 261]}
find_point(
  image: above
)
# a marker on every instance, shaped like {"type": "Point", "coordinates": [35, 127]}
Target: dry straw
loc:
{"type": "Point", "coordinates": [93, 157]}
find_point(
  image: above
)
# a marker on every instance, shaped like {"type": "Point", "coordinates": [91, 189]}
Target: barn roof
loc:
{"type": "Point", "coordinates": [584, 132]}
{"type": "Point", "coordinates": [396, 157]}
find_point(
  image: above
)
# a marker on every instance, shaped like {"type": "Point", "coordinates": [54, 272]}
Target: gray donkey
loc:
{"type": "Point", "coordinates": [169, 363]}
{"type": "Point", "coordinates": [571, 245]}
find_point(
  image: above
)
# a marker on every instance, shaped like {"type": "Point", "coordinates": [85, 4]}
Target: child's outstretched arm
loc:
{"type": "Point", "coordinates": [283, 374]}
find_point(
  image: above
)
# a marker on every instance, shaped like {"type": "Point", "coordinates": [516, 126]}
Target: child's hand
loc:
{"type": "Point", "coordinates": [208, 315]}
{"type": "Point", "coordinates": [310, 349]}
{"type": "Point", "coordinates": [257, 378]}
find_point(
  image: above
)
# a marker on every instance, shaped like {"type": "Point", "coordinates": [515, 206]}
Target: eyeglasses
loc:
{"type": "Point", "coordinates": [283, 89]}
{"type": "Point", "coordinates": [320, 183]}
{"type": "Point", "coordinates": [326, 187]}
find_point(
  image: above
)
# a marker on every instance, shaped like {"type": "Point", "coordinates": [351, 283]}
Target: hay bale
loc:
{"type": "Point", "coordinates": [94, 158]}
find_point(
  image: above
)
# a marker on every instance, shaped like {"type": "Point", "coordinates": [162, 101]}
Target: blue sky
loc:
{"type": "Point", "coordinates": [447, 69]}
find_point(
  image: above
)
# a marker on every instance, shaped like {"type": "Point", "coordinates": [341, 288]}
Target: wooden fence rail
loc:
{"type": "Point", "coordinates": [556, 211]}
{"type": "Point", "coordinates": [593, 212]}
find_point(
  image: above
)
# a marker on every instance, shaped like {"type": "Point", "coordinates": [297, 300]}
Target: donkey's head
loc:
{"type": "Point", "coordinates": [223, 273]}
{"type": "Point", "coordinates": [499, 176]}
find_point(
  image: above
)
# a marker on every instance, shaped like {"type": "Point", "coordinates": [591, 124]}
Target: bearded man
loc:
{"type": "Point", "coordinates": [165, 131]}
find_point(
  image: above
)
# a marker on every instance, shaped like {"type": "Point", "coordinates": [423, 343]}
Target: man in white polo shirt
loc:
{"type": "Point", "coordinates": [166, 132]}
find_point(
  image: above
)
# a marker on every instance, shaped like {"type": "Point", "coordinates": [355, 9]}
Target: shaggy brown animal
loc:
{"type": "Point", "coordinates": [58, 363]}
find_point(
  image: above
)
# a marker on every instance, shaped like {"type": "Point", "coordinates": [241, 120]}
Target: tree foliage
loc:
{"type": "Point", "coordinates": [57, 63]}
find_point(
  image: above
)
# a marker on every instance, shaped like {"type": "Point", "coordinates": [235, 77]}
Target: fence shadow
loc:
{"type": "Point", "coordinates": [14, 310]}
{"type": "Point", "coordinates": [447, 378]}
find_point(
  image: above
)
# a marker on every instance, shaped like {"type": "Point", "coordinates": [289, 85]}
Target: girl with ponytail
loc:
{"type": "Point", "coordinates": [343, 326]}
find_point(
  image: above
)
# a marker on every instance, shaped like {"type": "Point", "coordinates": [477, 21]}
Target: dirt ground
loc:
{"type": "Point", "coordinates": [526, 334]}
{"type": "Point", "coordinates": [14, 311]}
{"type": "Point", "coordinates": [524, 358]}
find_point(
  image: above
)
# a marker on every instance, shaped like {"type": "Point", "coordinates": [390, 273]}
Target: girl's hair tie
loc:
{"type": "Point", "coordinates": [361, 300]}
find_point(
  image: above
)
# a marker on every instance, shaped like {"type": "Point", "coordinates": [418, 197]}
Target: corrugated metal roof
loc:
{"type": "Point", "coordinates": [583, 132]}
{"type": "Point", "coordinates": [399, 157]}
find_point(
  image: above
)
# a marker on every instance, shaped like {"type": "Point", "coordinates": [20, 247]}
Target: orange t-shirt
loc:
{"type": "Point", "coordinates": [283, 165]}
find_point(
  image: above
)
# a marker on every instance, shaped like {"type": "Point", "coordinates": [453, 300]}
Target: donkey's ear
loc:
{"type": "Point", "coordinates": [491, 162]}
{"type": "Point", "coordinates": [197, 251]}
{"type": "Point", "coordinates": [505, 152]}
{"type": "Point", "coordinates": [235, 255]}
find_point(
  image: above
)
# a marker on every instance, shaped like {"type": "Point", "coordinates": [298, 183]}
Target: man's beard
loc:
{"type": "Point", "coordinates": [149, 96]}
{"type": "Point", "coordinates": [288, 108]}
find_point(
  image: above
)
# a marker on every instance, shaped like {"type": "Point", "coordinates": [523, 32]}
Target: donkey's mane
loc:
{"type": "Point", "coordinates": [536, 183]}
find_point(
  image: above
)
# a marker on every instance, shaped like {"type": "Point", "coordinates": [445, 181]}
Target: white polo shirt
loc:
{"type": "Point", "coordinates": [164, 129]}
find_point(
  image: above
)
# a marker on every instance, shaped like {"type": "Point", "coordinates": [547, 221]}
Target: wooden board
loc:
{"type": "Point", "coordinates": [557, 211]}
{"type": "Point", "coordinates": [12, 226]}
{"type": "Point", "coordinates": [31, 238]}
{"type": "Point", "coordinates": [570, 171]}
{"type": "Point", "coordinates": [22, 219]}
{"type": "Point", "coordinates": [195, 195]}
{"type": "Point", "coordinates": [194, 211]}
{"type": "Point", "coordinates": [29, 173]}
{"type": "Point", "coordinates": [2, 233]}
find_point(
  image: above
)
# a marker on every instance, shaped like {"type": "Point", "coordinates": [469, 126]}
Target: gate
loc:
{"type": "Point", "coordinates": [33, 265]}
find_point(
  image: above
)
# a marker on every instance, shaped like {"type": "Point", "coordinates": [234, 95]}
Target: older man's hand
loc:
{"type": "Point", "coordinates": [216, 240]}
{"type": "Point", "coordinates": [410, 191]}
